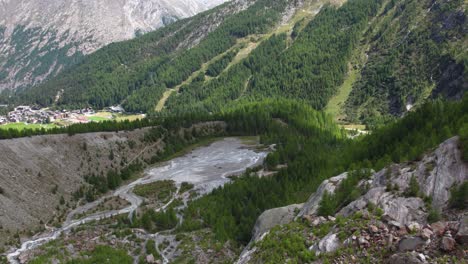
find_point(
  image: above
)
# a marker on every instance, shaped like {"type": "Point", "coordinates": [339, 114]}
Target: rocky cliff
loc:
{"type": "Point", "coordinates": [387, 217]}
{"type": "Point", "coordinates": [38, 39]}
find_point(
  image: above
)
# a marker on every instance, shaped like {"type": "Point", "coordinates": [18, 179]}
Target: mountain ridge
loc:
{"type": "Point", "coordinates": [42, 38]}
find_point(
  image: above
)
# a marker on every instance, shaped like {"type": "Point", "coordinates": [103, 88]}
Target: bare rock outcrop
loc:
{"type": "Point", "coordinates": [401, 225]}
{"type": "Point", "coordinates": [273, 217]}
{"type": "Point", "coordinates": [435, 174]}
{"type": "Point", "coordinates": [330, 243]}
{"type": "Point", "coordinates": [404, 210]}
{"type": "Point", "coordinates": [330, 185]}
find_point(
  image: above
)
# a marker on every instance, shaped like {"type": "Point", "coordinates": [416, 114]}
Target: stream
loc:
{"type": "Point", "coordinates": [206, 167]}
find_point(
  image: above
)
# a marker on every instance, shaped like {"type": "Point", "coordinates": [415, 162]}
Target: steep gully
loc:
{"type": "Point", "coordinates": [206, 168]}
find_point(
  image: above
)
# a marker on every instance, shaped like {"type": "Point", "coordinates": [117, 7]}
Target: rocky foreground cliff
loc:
{"type": "Point", "coordinates": [406, 215]}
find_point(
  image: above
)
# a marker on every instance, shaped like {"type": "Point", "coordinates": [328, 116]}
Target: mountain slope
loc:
{"type": "Point", "coordinates": [120, 68]}
{"type": "Point", "coordinates": [38, 39]}
{"type": "Point", "coordinates": [301, 50]}
{"type": "Point", "coordinates": [414, 51]}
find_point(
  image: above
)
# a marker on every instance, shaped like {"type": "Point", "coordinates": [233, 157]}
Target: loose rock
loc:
{"type": "Point", "coordinates": [413, 227]}
{"type": "Point", "coordinates": [410, 244]}
{"type": "Point", "coordinates": [462, 235]}
{"type": "Point", "coordinates": [426, 234]}
{"type": "Point", "coordinates": [150, 259]}
{"type": "Point", "coordinates": [373, 229]}
{"type": "Point", "coordinates": [404, 258]}
{"type": "Point", "coordinates": [438, 228]}
{"type": "Point", "coordinates": [448, 243]}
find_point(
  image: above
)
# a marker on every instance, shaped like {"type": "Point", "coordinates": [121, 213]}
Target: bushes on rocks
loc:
{"type": "Point", "coordinates": [347, 192]}
{"type": "Point", "coordinates": [464, 141]}
{"type": "Point", "coordinates": [459, 196]}
{"type": "Point", "coordinates": [413, 188]}
{"type": "Point", "coordinates": [433, 216]}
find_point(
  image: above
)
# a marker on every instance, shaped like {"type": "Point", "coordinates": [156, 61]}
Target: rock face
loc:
{"type": "Point", "coordinates": [330, 185]}
{"type": "Point", "coordinates": [403, 210]}
{"type": "Point", "coordinates": [402, 225]}
{"type": "Point", "coordinates": [39, 38]}
{"type": "Point", "coordinates": [436, 173]}
{"type": "Point", "coordinates": [271, 218]}
{"type": "Point", "coordinates": [266, 221]}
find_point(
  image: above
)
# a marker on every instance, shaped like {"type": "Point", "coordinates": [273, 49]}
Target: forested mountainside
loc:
{"type": "Point", "coordinates": [361, 60]}
{"type": "Point", "coordinates": [415, 50]}
{"type": "Point", "coordinates": [38, 39]}
{"type": "Point", "coordinates": [274, 71]}
{"type": "Point", "coordinates": [310, 148]}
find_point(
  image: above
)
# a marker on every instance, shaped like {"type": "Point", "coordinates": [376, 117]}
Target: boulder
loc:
{"type": "Point", "coordinates": [453, 226]}
{"type": "Point", "coordinates": [71, 249]}
{"type": "Point", "coordinates": [315, 222]}
{"type": "Point", "coordinates": [330, 243]}
{"type": "Point", "coordinates": [422, 257]}
{"type": "Point", "coordinates": [439, 228]}
{"type": "Point", "coordinates": [410, 244]}
{"type": "Point", "coordinates": [405, 258]}
{"type": "Point", "coordinates": [23, 258]}
{"type": "Point", "coordinates": [426, 233]}
{"type": "Point", "coordinates": [373, 229]}
{"type": "Point", "coordinates": [395, 224]}
{"type": "Point", "coordinates": [447, 243]}
{"type": "Point", "coordinates": [413, 227]}
{"type": "Point", "coordinates": [363, 242]}
{"type": "Point", "coordinates": [462, 235]}
{"type": "Point", "coordinates": [150, 259]}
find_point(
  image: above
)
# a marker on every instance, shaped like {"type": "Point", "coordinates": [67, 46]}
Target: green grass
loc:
{"type": "Point", "coordinates": [161, 190]}
{"type": "Point", "coordinates": [336, 104]}
{"type": "Point", "coordinates": [97, 118]}
{"type": "Point", "coordinates": [51, 250]}
{"type": "Point", "coordinates": [124, 117]}
{"type": "Point", "coordinates": [105, 116]}
{"type": "Point", "coordinates": [250, 140]}
{"type": "Point", "coordinates": [22, 126]}
{"type": "Point", "coordinates": [104, 254]}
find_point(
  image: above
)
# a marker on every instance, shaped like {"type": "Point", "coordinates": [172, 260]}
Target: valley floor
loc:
{"type": "Point", "coordinates": [203, 169]}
